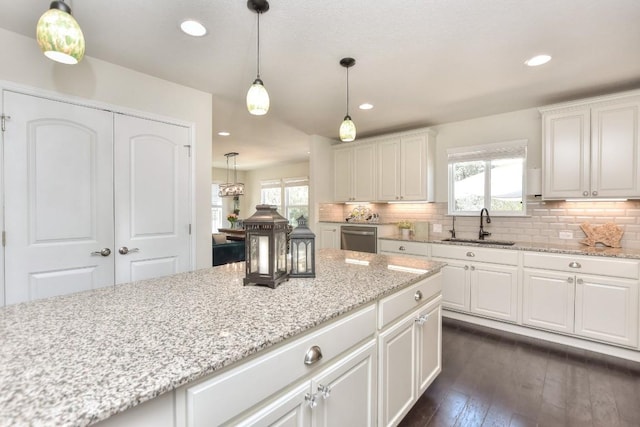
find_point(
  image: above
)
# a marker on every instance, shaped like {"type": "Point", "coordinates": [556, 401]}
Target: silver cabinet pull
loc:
{"type": "Point", "coordinates": [594, 193]}
{"type": "Point", "coordinates": [471, 254]}
{"type": "Point", "coordinates": [314, 354]}
{"type": "Point", "coordinates": [466, 267]}
{"type": "Point", "coordinates": [402, 248]}
{"type": "Point", "coordinates": [324, 390]}
{"type": "Point", "coordinates": [570, 280]}
{"type": "Point", "coordinates": [579, 281]}
{"type": "Point", "coordinates": [311, 400]}
{"type": "Point", "coordinates": [125, 250]}
{"type": "Point", "coordinates": [417, 296]}
{"type": "Point", "coordinates": [473, 268]}
{"type": "Point", "coordinates": [102, 252]}
{"type": "Point", "coordinates": [574, 264]}
{"type": "Point", "coordinates": [420, 320]}
{"type": "Point", "coordinates": [585, 193]}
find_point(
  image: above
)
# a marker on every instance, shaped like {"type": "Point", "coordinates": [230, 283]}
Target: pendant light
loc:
{"type": "Point", "coordinates": [235, 188]}
{"type": "Point", "coordinates": [257, 96]}
{"type": "Point", "coordinates": [347, 128]}
{"type": "Point", "coordinates": [59, 34]}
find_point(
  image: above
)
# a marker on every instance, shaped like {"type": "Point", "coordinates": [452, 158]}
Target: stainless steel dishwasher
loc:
{"type": "Point", "coordinates": [358, 238]}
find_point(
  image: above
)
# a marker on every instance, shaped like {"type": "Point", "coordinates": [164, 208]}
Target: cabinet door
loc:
{"type": "Point", "coordinates": [329, 237]}
{"type": "Point", "coordinates": [289, 410]}
{"type": "Point", "coordinates": [494, 291]}
{"type": "Point", "coordinates": [346, 391]}
{"type": "Point", "coordinates": [389, 170]}
{"type": "Point", "coordinates": [455, 285]}
{"type": "Point", "coordinates": [364, 173]}
{"type": "Point", "coordinates": [429, 346]}
{"type": "Point", "coordinates": [342, 174]}
{"type": "Point", "coordinates": [398, 368]}
{"type": "Point", "coordinates": [413, 168]}
{"type": "Point", "coordinates": [548, 300]}
{"type": "Point", "coordinates": [566, 152]}
{"type": "Point", "coordinates": [607, 309]}
{"type": "Point", "coordinates": [615, 157]}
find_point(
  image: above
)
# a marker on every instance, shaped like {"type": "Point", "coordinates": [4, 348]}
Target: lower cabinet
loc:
{"type": "Point", "coordinates": [343, 394]}
{"type": "Point", "coordinates": [329, 236]}
{"type": "Point", "coordinates": [596, 307]}
{"type": "Point", "coordinates": [484, 288]}
{"type": "Point", "coordinates": [410, 359]}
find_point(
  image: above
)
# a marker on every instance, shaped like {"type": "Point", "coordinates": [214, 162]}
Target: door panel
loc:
{"type": "Point", "coordinates": [152, 198]}
{"type": "Point", "coordinates": [58, 160]}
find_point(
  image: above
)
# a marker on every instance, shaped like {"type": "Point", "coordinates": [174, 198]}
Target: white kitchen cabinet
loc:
{"type": "Point", "coordinates": [410, 359]}
{"type": "Point", "coordinates": [354, 173]}
{"type": "Point", "coordinates": [342, 394]}
{"type": "Point", "coordinates": [406, 167]}
{"type": "Point", "coordinates": [592, 148]}
{"type": "Point", "coordinates": [591, 297]}
{"type": "Point", "coordinates": [403, 247]}
{"type": "Point", "coordinates": [329, 236]}
{"type": "Point", "coordinates": [480, 281]}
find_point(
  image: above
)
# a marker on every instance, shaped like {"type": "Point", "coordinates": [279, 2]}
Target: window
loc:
{"type": "Point", "coordinates": [290, 195]}
{"type": "Point", "coordinates": [216, 208]}
{"type": "Point", "coordinates": [488, 176]}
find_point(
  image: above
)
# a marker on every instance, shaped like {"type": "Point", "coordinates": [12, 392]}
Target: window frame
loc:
{"type": "Point", "coordinates": [487, 153]}
{"type": "Point", "coordinates": [282, 184]}
{"type": "Point", "coordinates": [214, 193]}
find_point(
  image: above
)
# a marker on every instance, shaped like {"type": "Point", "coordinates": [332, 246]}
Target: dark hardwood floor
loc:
{"type": "Point", "coordinates": [493, 379]}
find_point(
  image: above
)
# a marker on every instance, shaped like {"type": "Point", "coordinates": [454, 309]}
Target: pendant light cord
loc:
{"type": "Point", "coordinates": [347, 91]}
{"type": "Point", "coordinates": [258, 61]}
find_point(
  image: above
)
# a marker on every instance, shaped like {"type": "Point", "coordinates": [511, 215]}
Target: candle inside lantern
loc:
{"type": "Point", "coordinates": [302, 258]}
{"type": "Point", "coordinates": [263, 254]}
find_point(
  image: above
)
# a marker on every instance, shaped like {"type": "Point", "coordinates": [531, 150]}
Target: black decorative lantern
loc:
{"type": "Point", "coordinates": [303, 250]}
{"type": "Point", "coordinates": [266, 247]}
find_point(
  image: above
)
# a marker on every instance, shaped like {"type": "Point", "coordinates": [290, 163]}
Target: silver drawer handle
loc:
{"type": "Point", "coordinates": [417, 296]}
{"type": "Point", "coordinates": [471, 254]}
{"type": "Point", "coordinates": [314, 354]}
{"type": "Point", "coordinates": [422, 319]}
{"type": "Point", "coordinates": [402, 248]}
{"type": "Point", "coordinates": [574, 264]}
{"type": "Point", "coordinates": [324, 390]}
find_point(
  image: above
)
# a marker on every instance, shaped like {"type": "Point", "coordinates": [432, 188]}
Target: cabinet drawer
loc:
{"type": "Point", "coordinates": [218, 399]}
{"type": "Point", "coordinates": [400, 303]}
{"type": "Point", "coordinates": [473, 253]}
{"type": "Point", "coordinates": [614, 267]}
{"type": "Point", "coordinates": [404, 247]}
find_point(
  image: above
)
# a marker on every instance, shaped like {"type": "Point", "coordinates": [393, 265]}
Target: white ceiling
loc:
{"type": "Point", "coordinates": [420, 62]}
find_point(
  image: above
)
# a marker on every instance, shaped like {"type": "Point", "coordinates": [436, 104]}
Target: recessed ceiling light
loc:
{"type": "Point", "coordinates": [365, 106]}
{"type": "Point", "coordinates": [537, 60]}
{"type": "Point", "coordinates": [193, 28]}
{"type": "Point", "coordinates": [223, 133]}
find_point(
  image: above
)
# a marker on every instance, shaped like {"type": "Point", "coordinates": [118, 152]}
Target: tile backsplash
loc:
{"type": "Point", "coordinates": [543, 223]}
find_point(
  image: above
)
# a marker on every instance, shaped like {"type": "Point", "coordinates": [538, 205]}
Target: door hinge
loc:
{"type": "Point", "coordinates": [4, 238]}
{"type": "Point", "coordinates": [3, 120]}
{"type": "Point", "coordinates": [189, 229]}
{"type": "Point", "coordinates": [189, 148]}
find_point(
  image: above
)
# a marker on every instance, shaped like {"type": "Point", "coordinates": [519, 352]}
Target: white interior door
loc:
{"type": "Point", "coordinates": [152, 208]}
{"type": "Point", "coordinates": [58, 165]}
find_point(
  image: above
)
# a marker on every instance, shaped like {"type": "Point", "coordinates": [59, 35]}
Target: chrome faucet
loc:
{"type": "Point", "coordinates": [453, 229]}
{"type": "Point", "coordinates": [483, 233]}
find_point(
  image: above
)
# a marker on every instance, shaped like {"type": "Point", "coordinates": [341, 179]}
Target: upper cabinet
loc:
{"type": "Point", "coordinates": [406, 168]}
{"type": "Point", "coordinates": [398, 167]}
{"type": "Point", "coordinates": [354, 173]}
{"type": "Point", "coordinates": [591, 148]}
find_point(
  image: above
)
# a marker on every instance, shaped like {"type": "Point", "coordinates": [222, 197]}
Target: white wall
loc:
{"type": "Point", "coordinates": [522, 124]}
{"type": "Point", "coordinates": [320, 176]}
{"type": "Point", "coordinates": [96, 80]}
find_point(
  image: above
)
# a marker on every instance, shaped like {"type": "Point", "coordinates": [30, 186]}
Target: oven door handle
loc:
{"type": "Point", "coordinates": [359, 233]}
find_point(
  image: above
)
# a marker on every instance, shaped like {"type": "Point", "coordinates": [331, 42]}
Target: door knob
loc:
{"type": "Point", "coordinates": [103, 252]}
{"type": "Point", "coordinates": [125, 250]}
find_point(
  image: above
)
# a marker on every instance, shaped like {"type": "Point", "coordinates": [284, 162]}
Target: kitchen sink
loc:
{"type": "Point", "coordinates": [482, 242]}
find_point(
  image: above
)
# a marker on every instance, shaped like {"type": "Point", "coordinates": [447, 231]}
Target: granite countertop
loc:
{"type": "Point", "coordinates": [77, 359]}
{"type": "Point", "coordinates": [569, 249]}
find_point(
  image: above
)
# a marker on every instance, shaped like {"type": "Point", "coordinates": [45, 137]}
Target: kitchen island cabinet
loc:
{"type": "Point", "coordinates": [160, 346]}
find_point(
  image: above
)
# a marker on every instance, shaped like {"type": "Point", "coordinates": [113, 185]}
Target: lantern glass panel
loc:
{"type": "Point", "coordinates": [281, 251]}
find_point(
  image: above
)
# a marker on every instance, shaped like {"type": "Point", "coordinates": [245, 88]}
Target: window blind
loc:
{"type": "Point", "coordinates": [486, 152]}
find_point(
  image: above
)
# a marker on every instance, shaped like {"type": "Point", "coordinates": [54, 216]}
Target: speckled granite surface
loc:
{"type": "Point", "coordinates": [78, 359]}
{"type": "Point", "coordinates": [536, 247]}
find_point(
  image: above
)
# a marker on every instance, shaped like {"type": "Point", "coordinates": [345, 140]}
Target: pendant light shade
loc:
{"type": "Point", "coordinates": [235, 188]}
{"type": "Point", "coordinates": [59, 34]}
{"type": "Point", "coordinates": [347, 128]}
{"type": "Point", "coordinates": [257, 96]}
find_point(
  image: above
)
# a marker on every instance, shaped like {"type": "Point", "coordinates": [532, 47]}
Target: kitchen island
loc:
{"type": "Point", "coordinates": [81, 358]}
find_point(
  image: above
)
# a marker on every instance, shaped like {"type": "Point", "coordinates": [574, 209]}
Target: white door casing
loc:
{"type": "Point", "coordinates": [152, 198]}
{"type": "Point", "coordinates": [58, 165]}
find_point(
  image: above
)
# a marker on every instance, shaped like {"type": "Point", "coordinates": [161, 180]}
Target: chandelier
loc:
{"type": "Point", "coordinates": [231, 189]}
